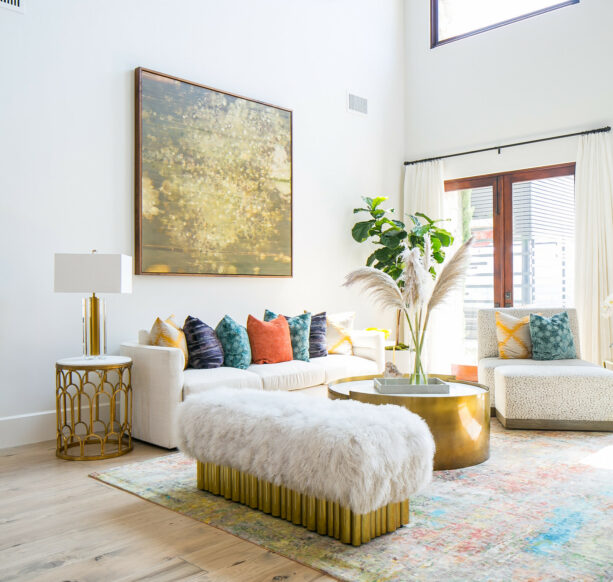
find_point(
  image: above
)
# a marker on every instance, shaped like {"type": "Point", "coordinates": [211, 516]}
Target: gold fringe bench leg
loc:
{"type": "Point", "coordinates": [321, 515]}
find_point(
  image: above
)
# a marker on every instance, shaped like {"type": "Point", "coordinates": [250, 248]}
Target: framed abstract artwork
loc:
{"type": "Point", "coordinates": [213, 181]}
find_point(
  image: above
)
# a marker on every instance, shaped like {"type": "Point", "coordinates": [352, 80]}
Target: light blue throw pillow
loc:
{"type": "Point", "coordinates": [552, 338]}
{"type": "Point", "coordinates": [235, 343]}
{"type": "Point", "coordinates": [299, 330]}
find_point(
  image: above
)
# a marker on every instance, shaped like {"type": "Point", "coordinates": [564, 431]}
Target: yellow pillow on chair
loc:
{"type": "Point", "coordinates": [513, 334]}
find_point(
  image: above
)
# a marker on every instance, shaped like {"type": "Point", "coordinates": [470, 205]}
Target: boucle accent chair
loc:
{"type": "Point", "coordinates": [338, 467]}
{"type": "Point", "coordinates": [570, 394]}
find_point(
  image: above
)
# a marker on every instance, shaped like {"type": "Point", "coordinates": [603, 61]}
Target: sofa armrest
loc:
{"type": "Point", "coordinates": [370, 345]}
{"type": "Point", "coordinates": [157, 386]}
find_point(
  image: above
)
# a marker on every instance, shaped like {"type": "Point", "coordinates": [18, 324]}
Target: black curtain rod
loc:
{"type": "Point", "coordinates": [511, 145]}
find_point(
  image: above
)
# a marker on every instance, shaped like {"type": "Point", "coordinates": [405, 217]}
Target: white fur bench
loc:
{"type": "Point", "coordinates": [340, 467]}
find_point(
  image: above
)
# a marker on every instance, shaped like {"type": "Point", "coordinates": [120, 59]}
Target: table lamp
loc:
{"type": "Point", "coordinates": [93, 273]}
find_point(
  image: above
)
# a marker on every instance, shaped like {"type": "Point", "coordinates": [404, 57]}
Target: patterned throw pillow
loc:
{"type": "Point", "coordinates": [235, 343]}
{"type": "Point", "coordinates": [338, 339]}
{"type": "Point", "coordinates": [168, 334]}
{"type": "Point", "coordinates": [513, 336]}
{"type": "Point", "coordinates": [318, 346]}
{"type": "Point", "coordinates": [270, 340]}
{"type": "Point", "coordinates": [552, 338]}
{"type": "Point", "coordinates": [204, 347]}
{"type": "Point", "coordinates": [299, 331]}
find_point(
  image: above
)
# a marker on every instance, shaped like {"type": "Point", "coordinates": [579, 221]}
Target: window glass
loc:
{"type": "Point", "coordinates": [460, 17]}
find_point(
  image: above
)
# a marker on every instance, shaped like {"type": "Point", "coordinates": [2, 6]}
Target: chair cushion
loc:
{"type": "Point", "coordinates": [338, 366]}
{"type": "Point", "coordinates": [195, 381]}
{"type": "Point", "coordinates": [552, 338]}
{"type": "Point", "coordinates": [513, 335]}
{"type": "Point", "coordinates": [289, 375]}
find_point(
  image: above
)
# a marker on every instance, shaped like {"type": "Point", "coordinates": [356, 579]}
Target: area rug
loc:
{"type": "Point", "coordinates": [541, 508]}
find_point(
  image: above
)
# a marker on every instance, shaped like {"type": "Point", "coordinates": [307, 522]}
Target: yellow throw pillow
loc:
{"type": "Point", "coordinates": [168, 334]}
{"type": "Point", "coordinates": [338, 340]}
{"type": "Point", "coordinates": [513, 334]}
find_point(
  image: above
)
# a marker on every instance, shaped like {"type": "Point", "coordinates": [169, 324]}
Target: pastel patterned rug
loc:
{"type": "Point", "coordinates": [541, 508]}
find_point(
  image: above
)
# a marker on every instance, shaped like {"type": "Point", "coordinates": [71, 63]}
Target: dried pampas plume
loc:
{"type": "Point", "coordinates": [379, 285]}
{"type": "Point", "coordinates": [415, 278]}
{"type": "Point", "coordinates": [452, 276]}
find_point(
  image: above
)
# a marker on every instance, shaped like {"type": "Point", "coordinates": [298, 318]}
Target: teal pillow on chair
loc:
{"type": "Point", "coordinates": [299, 330]}
{"type": "Point", "coordinates": [235, 343]}
{"type": "Point", "coordinates": [552, 338]}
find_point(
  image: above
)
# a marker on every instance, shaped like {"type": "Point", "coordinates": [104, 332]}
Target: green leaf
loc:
{"type": "Point", "coordinates": [414, 220]}
{"type": "Point", "coordinates": [378, 200]}
{"type": "Point", "coordinates": [438, 257]}
{"type": "Point", "coordinates": [384, 254]}
{"type": "Point", "coordinates": [436, 243]}
{"type": "Point", "coordinates": [398, 223]}
{"type": "Point", "coordinates": [377, 213]}
{"type": "Point", "coordinates": [392, 237]}
{"type": "Point", "coordinates": [356, 210]}
{"type": "Point", "coordinates": [444, 236]}
{"type": "Point", "coordinates": [360, 230]}
{"type": "Point", "coordinates": [370, 260]}
{"type": "Point", "coordinates": [368, 202]}
{"type": "Point", "coordinates": [420, 231]}
{"type": "Point", "coordinates": [424, 216]}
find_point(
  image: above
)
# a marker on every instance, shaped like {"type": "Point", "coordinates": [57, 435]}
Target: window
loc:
{"type": "Point", "coordinates": [455, 19]}
{"type": "Point", "coordinates": [523, 256]}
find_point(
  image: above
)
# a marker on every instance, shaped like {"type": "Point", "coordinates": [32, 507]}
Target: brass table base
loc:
{"type": "Point", "coordinates": [459, 424]}
{"type": "Point", "coordinates": [324, 517]}
{"type": "Point", "coordinates": [93, 408]}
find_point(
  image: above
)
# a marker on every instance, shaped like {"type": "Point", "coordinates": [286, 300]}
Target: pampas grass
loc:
{"type": "Point", "coordinates": [418, 297]}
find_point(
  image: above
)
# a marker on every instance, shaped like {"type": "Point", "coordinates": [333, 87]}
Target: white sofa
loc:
{"type": "Point", "coordinates": [568, 394]}
{"type": "Point", "coordinates": [159, 382]}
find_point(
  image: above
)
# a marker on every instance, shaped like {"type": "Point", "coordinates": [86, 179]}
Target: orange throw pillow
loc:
{"type": "Point", "coordinates": [270, 340]}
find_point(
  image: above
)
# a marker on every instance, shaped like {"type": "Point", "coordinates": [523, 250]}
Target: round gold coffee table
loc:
{"type": "Point", "coordinates": [459, 421]}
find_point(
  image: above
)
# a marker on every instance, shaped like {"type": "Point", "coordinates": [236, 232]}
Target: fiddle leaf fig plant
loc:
{"type": "Point", "coordinates": [393, 237]}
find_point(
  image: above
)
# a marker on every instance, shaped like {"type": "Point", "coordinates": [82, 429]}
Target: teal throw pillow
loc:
{"type": "Point", "coordinates": [235, 343]}
{"type": "Point", "coordinates": [552, 338]}
{"type": "Point", "coordinates": [299, 330]}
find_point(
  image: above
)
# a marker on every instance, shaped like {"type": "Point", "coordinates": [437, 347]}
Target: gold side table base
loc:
{"type": "Point", "coordinates": [93, 407]}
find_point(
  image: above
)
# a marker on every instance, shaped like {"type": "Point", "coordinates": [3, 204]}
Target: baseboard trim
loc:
{"type": "Point", "coordinates": [35, 427]}
{"type": "Point", "coordinates": [548, 424]}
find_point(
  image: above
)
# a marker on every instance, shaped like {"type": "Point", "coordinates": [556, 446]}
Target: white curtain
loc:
{"type": "Point", "coordinates": [594, 245]}
{"type": "Point", "coordinates": [424, 189]}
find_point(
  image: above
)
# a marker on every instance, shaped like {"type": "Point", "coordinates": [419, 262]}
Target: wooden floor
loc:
{"type": "Point", "coordinates": [58, 524]}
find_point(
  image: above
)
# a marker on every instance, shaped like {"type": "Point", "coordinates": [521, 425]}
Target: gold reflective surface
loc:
{"type": "Point", "coordinates": [460, 425]}
{"type": "Point", "coordinates": [320, 515]}
{"type": "Point", "coordinates": [93, 410]}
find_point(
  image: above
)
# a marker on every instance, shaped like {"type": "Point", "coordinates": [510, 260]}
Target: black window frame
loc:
{"type": "Point", "coordinates": [435, 41]}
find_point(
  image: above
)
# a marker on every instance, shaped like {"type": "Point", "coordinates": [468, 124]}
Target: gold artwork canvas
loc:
{"type": "Point", "coordinates": [213, 181]}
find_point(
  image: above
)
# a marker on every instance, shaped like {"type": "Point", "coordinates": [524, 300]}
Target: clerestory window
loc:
{"type": "Point", "coordinates": [455, 19]}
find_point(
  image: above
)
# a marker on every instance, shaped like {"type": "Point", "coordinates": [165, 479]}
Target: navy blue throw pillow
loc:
{"type": "Point", "coordinates": [203, 346]}
{"type": "Point", "coordinates": [318, 346]}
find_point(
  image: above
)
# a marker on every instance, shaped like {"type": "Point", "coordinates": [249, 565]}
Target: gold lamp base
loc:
{"type": "Point", "coordinates": [94, 326]}
{"type": "Point", "coordinates": [320, 515]}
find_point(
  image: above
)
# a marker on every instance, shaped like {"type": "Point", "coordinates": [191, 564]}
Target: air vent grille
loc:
{"type": "Point", "coordinates": [16, 5]}
{"type": "Point", "coordinates": [356, 103]}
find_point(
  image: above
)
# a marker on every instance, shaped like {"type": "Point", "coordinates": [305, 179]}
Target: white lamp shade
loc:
{"type": "Point", "coordinates": [93, 273]}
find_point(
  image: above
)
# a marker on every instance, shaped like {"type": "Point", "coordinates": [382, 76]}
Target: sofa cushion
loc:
{"type": "Point", "coordinates": [299, 328]}
{"type": "Point", "coordinates": [288, 375]}
{"type": "Point", "coordinates": [235, 343]}
{"type": "Point", "coordinates": [195, 381]}
{"type": "Point", "coordinates": [270, 340]}
{"type": "Point", "coordinates": [337, 366]}
{"type": "Point", "coordinates": [204, 347]}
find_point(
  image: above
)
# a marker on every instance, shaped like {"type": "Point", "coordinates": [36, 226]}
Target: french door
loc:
{"type": "Point", "coordinates": [523, 255]}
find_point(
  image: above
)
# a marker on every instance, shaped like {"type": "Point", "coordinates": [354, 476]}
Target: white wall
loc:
{"type": "Point", "coordinates": [67, 161]}
{"type": "Point", "coordinates": [542, 76]}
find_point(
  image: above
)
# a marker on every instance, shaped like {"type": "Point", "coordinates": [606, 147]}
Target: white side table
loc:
{"type": "Point", "coordinates": [94, 407]}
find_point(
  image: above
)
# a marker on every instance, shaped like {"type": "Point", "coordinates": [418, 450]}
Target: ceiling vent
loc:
{"type": "Point", "coordinates": [357, 104]}
{"type": "Point", "coordinates": [16, 5]}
